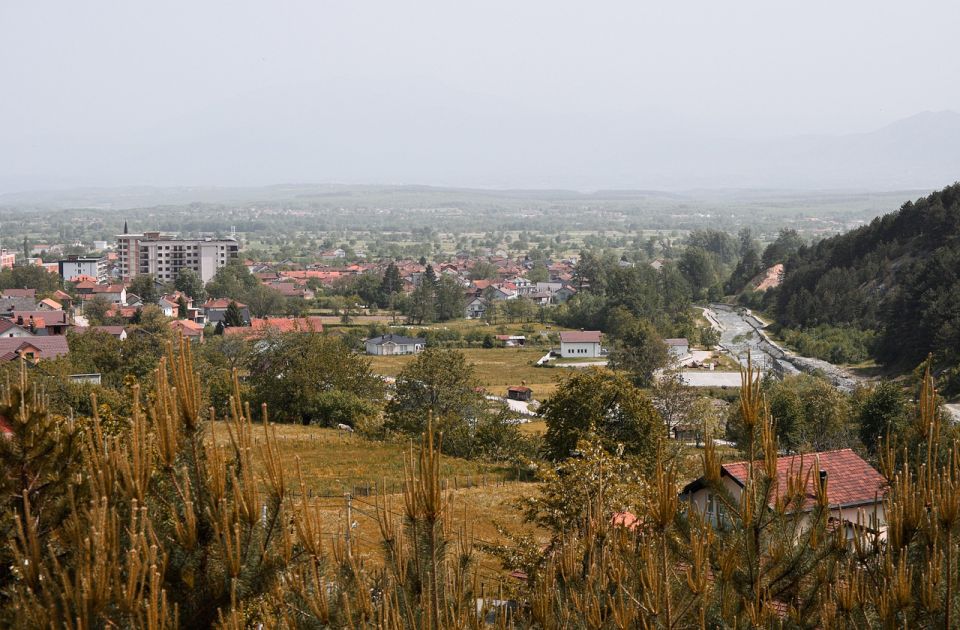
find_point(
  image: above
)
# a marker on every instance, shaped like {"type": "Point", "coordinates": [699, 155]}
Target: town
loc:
{"type": "Point", "coordinates": [439, 315]}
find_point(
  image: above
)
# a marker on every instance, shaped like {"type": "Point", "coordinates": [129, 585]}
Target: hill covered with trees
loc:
{"type": "Point", "coordinates": [898, 276]}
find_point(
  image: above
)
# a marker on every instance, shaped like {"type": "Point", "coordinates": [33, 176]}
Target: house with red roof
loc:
{"type": "Point", "coordinates": [42, 322]}
{"type": "Point", "coordinates": [191, 330]}
{"type": "Point", "coordinates": [10, 329]}
{"type": "Point", "coordinates": [216, 309]}
{"type": "Point", "coordinates": [20, 293]}
{"type": "Point", "coordinates": [260, 326]}
{"type": "Point", "coordinates": [33, 349]}
{"type": "Point", "coordinates": [855, 490]}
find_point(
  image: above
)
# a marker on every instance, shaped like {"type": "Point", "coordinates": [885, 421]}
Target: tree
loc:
{"type": "Point", "coordinates": [263, 301]}
{"type": "Point", "coordinates": [601, 403]}
{"type": "Point", "coordinates": [181, 307]}
{"type": "Point", "coordinates": [314, 379]}
{"type": "Point", "coordinates": [451, 301]}
{"type": "Point", "coordinates": [811, 414]}
{"type": "Point", "coordinates": [169, 509]}
{"type": "Point", "coordinates": [673, 400]}
{"type": "Point", "coordinates": [884, 411]}
{"type": "Point", "coordinates": [233, 280]}
{"type": "Point", "coordinates": [97, 352]}
{"type": "Point", "coordinates": [190, 283]}
{"type": "Point", "coordinates": [41, 456]}
{"type": "Point", "coordinates": [539, 273]}
{"type": "Point", "coordinates": [392, 282]}
{"type": "Point", "coordinates": [29, 277]}
{"type": "Point", "coordinates": [787, 243]}
{"type": "Point", "coordinates": [640, 352]}
{"type": "Point", "coordinates": [145, 286]}
{"type": "Point", "coordinates": [146, 343]}
{"type": "Point", "coordinates": [438, 384]}
{"type": "Point", "coordinates": [95, 309]}
{"type": "Point", "coordinates": [483, 270]}
{"type": "Point", "coordinates": [422, 306]}
{"type": "Point", "coordinates": [699, 269]}
{"type": "Point", "coordinates": [233, 316]}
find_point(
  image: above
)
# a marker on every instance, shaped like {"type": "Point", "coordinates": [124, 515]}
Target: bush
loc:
{"type": "Point", "coordinates": [830, 343]}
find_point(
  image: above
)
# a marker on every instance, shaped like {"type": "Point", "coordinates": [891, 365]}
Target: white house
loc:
{"type": "Point", "coordinates": [678, 348]}
{"type": "Point", "coordinates": [583, 344]}
{"type": "Point", "coordinates": [475, 308]}
{"type": "Point", "coordinates": [395, 344]}
{"type": "Point", "coordinates": [855, 491]}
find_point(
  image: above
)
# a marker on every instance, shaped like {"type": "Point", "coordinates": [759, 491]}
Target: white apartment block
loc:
{"type": "Point", "coordinates": [73, 266]}
{"type": "Point", "coordinates": [164, 255]}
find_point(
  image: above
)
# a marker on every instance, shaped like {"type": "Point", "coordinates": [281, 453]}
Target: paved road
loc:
{"type": "Point", "coordinates": [711, 379]}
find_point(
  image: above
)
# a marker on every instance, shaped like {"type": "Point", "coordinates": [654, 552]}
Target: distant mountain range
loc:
{"type": "Point", "coordinates": [466, 141]}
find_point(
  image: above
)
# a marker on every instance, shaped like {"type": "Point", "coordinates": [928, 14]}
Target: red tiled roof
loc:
{"type": "Point", "coordinates": [187, 327]}
{"type": "Point", "coordinates": [42, 318]}
{"type": "Point", "coordinates": [24, 293]}
{"type": "Point", "coordinates": [47, 346]}
{"type": "Point", "coordinates": [580, 336]}
{"type": "Point", "coordinates": [222, 303]}
{"type": "Point", "coordinates": [278, 324]}
{"type": "Point", "coordinates": [116, 331]}
{"type": "Point", "coordinates": [850, 480]}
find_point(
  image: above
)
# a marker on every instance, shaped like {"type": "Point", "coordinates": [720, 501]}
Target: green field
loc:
{"type": "Point", "coordinates": [496, 369]}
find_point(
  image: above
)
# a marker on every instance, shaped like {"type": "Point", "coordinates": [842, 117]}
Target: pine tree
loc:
{"type": "Point", "coordinates": [233, 316]}
{"type": "Point", "coordinates": [41, 459]}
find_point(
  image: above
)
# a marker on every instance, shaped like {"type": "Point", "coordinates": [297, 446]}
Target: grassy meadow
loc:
{"type": "Point", "coordinates": [333, 463]}
{"type": "Point", "coordinates": [496, 369]}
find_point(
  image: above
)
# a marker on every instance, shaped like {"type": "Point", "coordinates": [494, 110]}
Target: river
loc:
{"type": "Point", "coordinates": [741, 332]}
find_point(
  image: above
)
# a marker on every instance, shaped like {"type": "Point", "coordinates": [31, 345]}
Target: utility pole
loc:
{"type": "Point", "coordinates": [349, 501]}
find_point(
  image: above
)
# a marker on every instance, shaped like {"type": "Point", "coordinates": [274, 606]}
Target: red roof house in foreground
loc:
{"type": "Point", "coordinates": [855, 490]}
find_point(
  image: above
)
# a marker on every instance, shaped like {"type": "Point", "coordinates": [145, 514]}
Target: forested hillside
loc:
{"type": "Point", "coordinates": [900, 276]}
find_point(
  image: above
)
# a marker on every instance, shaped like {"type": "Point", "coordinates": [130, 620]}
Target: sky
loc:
{"type": "Point", "coordinates": [525, 93]}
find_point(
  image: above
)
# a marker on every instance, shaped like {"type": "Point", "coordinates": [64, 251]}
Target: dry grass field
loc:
{"type": "Point", "coordinates": [333, 463]}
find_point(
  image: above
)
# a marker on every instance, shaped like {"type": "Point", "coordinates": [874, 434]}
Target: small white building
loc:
{"type": "Point", "coordinates": [395, 344]}
{"type": "Point", "coordinates": [582, 344]}
{"type": "Point", "coordinates": [678, 348]}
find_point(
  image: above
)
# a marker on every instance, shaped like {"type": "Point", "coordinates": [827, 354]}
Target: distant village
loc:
{"type": "Point", "coordinates": [34, 323]}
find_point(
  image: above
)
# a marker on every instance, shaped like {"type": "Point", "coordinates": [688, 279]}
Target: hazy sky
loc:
{"type": "Point", "coordinates": [518, 93]}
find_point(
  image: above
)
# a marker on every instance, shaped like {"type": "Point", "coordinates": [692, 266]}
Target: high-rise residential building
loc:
{"type": "Point", "coordinates": [164, 255]}
{"type": "Point", "coordinates": [91, 266]}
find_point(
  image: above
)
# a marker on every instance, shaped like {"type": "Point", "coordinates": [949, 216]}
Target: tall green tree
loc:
{"type": "Point", "coordinates": [145, 285]}
{"type": "Point", "coordinates": [233, 315]}
{"type": "Point", "coordinates": [422, 306]}
{"type": "Point", "coordinates": [597, 402]}
{"type": "Point", "coordinates": [41, 455]}
{"type": "Point", "coordinates": [639, 351]}
{"type": "Point", "coordinates": [885, 410]}
{"type": "Point", "coordinates": [190, 283]}
{"type": "Point", "coordinates": [438, 384]}
{"type": "Point", "coordinates": [311, 378]}
{"type": "Point", "coordinates": [451, 300]}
